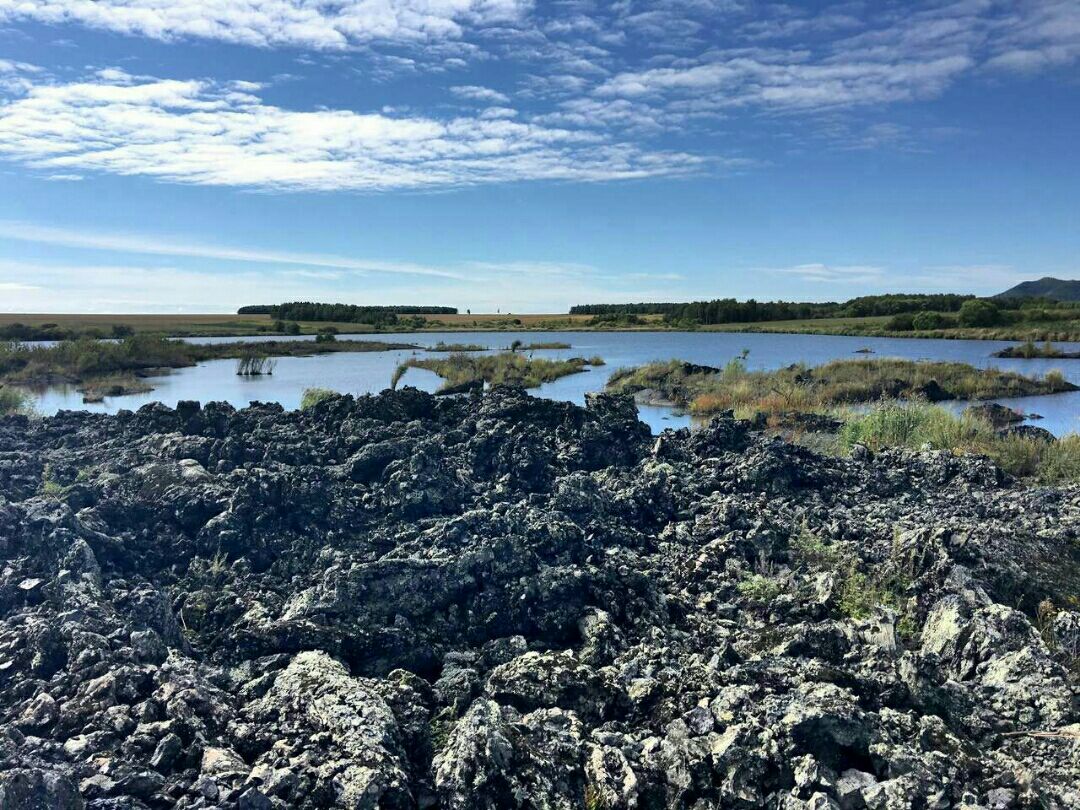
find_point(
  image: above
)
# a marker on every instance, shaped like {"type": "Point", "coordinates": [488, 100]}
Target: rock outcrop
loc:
{"type": "Point", "coordinates": [496, 601]}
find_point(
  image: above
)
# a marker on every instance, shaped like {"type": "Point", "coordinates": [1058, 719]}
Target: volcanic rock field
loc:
{"type": "Point", "coordinates": [497, 601]}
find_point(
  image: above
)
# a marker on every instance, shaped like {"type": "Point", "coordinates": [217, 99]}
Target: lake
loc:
{"type": "Point", "coordinates": [370, 372]}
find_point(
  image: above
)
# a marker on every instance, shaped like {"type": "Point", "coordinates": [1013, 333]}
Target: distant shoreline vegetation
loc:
{"type": "Point", "coordinates": [893, 315]}
{"type": "Point", "coordinates": [377, 316]}
{"type": "Point", "coordinates": [969, 310]}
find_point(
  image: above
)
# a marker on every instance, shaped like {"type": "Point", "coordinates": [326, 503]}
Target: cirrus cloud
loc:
{"type": "Point", "coordinates": [211, 133]}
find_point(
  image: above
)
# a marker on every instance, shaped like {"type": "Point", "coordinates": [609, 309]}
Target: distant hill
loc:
{"type": "Point", "coordinates": [1055, 288]}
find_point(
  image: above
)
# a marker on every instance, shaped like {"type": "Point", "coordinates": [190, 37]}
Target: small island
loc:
{"type": "Point", "coordinates": [461, 372]}
{"type": "Point", "coordinates": [705, 390]}
{"type": "Point", "coordinates": [1029, 350]}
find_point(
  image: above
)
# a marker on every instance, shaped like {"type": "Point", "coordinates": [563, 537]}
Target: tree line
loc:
{"type": "Point", "coordinates": [341, 313]}
{"type": "Point", "coordinates": [729, 310]}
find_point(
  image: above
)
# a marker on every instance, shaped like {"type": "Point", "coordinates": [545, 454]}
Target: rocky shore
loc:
{"type": "Point", "coordinates": [497, 601]}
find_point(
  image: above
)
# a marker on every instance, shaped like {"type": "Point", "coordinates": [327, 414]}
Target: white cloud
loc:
{"type": "Point", "coordinates": [16, 287]}
{"type": "Point", "coordinates": [746, 81]}
{"type": "Point", "coordinates": [987, 278]}
{"type": "Point", "coordinates": [158, 245]}
{"type": "Point", "coordinates": [141, 288]}
{"type": "Point", "coordinates": [206, 133]}
{"type": "Point", "coordinates": [474, 92]}
{"type": "Point", "coordinates": [487, 286]}
{"type": "Point", "coordinates": [832, 274]}
{"type": "Point", "coordinates": [1039, 35]}
{"type": "Point", "coordinates": [320, 24]}
{"type": "Point", "coordinates": [10, 66]}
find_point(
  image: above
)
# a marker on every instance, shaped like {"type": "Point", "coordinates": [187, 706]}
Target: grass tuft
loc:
{"type": "Point", "coordinates": [14, 400]}
{"type": "Point", "coordinates": [313, 396]}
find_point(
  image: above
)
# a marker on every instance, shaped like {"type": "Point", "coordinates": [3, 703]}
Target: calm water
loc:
{"type": "Point", "coordinates": [361, 373]}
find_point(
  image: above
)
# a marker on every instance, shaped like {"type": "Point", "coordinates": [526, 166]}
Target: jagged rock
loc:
{"type": "Point", "coordinates": [38, 790]}
{"type": "Point", "coordinates": [496, 601]}
{"type": "Point", "coordinates": [549, 680]}
{"type": "Point", "coordinates": [495, 756]}
{"type": "Point", "coordinates": [362, 761]}
{"type": "Point", "coordinates": [998, 416]}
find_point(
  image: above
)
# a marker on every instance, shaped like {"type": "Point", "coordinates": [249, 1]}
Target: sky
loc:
{"type": "Point", "coordinates": [527, 155]}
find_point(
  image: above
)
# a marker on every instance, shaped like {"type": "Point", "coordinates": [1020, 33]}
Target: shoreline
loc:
{"type": "Point", "coordinates": [226, 326]}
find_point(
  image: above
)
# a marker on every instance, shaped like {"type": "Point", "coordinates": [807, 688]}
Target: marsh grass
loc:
{"type": "Point", "coordinates": [255, 365]}
{"type": "Point", "coordinates": [1029, 350]}
{"type": "Point", "coordinates": [84, 359]}
{"type": "Point", "coordinates": [544, 345]}
{"type": "Point", "coordinates": [916, 425]}
{"type": "Point", "coordinates": [456, 347]}
{"type": "Point", "coordinates": [13, 400]}
{"type": "Point", "coordinates": [113, 386]}
{"type": "Point", "coordinates": [507, 368]}
{"type": "Point", "coordinates": [815, 389]}
{"type": "Point", "coordinates": [313, 396]}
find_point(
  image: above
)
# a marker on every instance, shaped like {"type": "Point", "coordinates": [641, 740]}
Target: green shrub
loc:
{"type": "Point", "coordinates": [861, 594]}
{"type": "Point", "coordinates": [904, 322]}
{"type": "Point", "coordinates": [979, 313]}
{"type": "Point", "coordinates": [760, 588]}
{"type": "Point", "coordinates": [810, 550]}
{"type": "Point", "coordinates": [924, 321]}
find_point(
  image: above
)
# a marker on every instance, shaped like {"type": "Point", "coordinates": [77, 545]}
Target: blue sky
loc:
{"type": "Point", "coordinates": [196, 155]}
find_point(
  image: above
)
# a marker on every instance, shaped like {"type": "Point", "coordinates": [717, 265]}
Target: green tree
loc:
{"type": "Point", "coordinates": [979, 313]}
{"type": "Point", "coordinates": [928, 320]}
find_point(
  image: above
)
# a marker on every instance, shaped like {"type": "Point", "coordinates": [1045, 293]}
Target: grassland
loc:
{"type": "Point", "coordinates": [203, 325]}
{"type": "Point", "coordinates": [877, 326]}
{"type": "Point", "coordinates": [246, 325]}
{"type": "Point", "coordinates": [799, 388]}
{"type": "Point", "coordinates": [507, 368]}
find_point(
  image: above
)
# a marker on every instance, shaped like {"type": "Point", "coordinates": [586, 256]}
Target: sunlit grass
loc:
{"type": "Point", "coordinates": [835, 384]}
{"type": "Point", "coordinates": [508, 368]}
{"type": "Point", "coordinates": [916, 425]}
{"type": "Point", "coordinates": [313, 396]}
